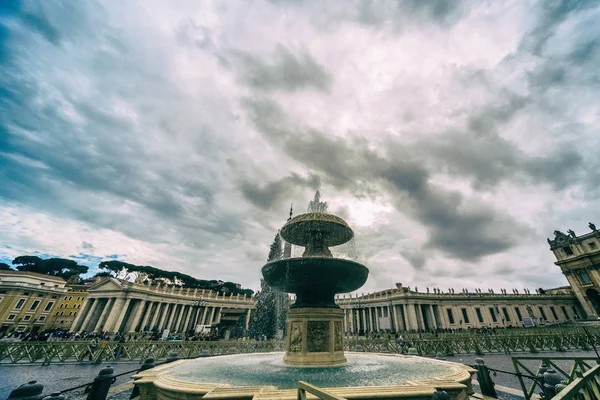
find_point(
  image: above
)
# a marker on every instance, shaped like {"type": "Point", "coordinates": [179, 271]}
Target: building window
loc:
{"type": "Point", "coordinates": [27, 318]}
{"type": "Point", "coordinates": [54, 297]}
{"type": "Point", "coordinates": [34, 305]}
{"type": "Point", "coordinates": [584, 278]}
{"type": "Point", "coordinates": [465, 315]}
{"type": "Point", "coordinates": [56, 313]}
{"type": "Point", "coordinates": [19, 304]}
{"type": "Point", "coordinates": [479, 316]}
{"type": "Point", "coordinates": [493, 314]}
{"type": "Point", "coordinates": [564, 310]}
{"type": "Point", "coordinates": [450, 315]}
{"type": "Point", "coordinates": [568, 251]}
{"type": "Point", "coordinates": [506, 315]}
{"type": "Point", "coordinates": [48, 306]}
{"type": "Point", "coordinates": [518, 311]}
{"type": "Point", "coordinates": [74, 314]}
{"type": "Point", "coordinates": [554, 313]}
{"type": "Point", "coordinates": [41, 319]}
{"type": "Point", "coordinates": [542, 312]}
{"type": "Point", "coordinates": [40, 295]}
{"type": "Point", "coordinates": [592, 245]}
{"type": "Point", "coordinates": [11, 317]}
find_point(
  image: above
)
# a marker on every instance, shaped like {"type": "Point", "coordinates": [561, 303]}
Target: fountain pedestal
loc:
{"type": "Point", "coordinates": [315, 337]}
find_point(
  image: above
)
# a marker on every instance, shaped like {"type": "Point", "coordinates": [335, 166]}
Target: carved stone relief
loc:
{"type": "Point", "coordinates": [338, 344]}
{"type": "Point", "coordinates": [296, 337]}
{"type": "Point", "coordinates": [318, 336]}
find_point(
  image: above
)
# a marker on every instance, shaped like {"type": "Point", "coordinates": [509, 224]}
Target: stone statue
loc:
{"type": "Point", "coordinates": [427, 290]}
{"type": "Point", "coordinates": [416, 289]}
{"type": "Point", "coordinates": [571, 233]}
{"type": "Point", "coordinates": [592, 226]}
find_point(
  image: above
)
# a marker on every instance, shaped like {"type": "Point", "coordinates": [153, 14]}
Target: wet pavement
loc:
{"type": "Point", "coordinates": [57, 377]}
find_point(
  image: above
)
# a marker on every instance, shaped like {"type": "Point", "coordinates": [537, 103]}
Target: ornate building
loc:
{"type": "Point", "coordinates": [402, 309]}
{"type": "Point", "coordinates": [114, 305]}
{"type": "Point", "coordinates": [579, 260]}
{"type": "Point", "coordinates": [27, 300]}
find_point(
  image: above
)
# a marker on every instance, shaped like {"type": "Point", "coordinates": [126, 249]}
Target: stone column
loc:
{"type": "Point", "coordinates": [248, 318]}
{"type": "Point", "coordinates": [149, 313]}
{"type": "Point", "coordinates": [192, 311]}
{"type": "Point", "coordinates": [157, 311]}
{"type": "Point", "coordinates": [432, 314]}
{"type": "Point", "coordinates": [180, 317]}
{"type": "Point", "coordinates": [203, 320]}
{"type": "Point", "coordinates": [78, 322]}
{"type": "Point", "coordinates": [363, 321]}
{"type": "Point", "coordinates": [90, 323]}
{"type": "Point", "coordinates": [162, 316]}
{"type": "Point", "coordinates": [122, 315]}
{"type": "Point", "coordinates": [171, 317]}
{"type": "Point", "coordinates": [212, 314]}
{"type": "Point", "coordinates": [135, 321]}
{"type": "Point", "coordinates": [112, 318]}
{"type": "Point", "coordinates": [104, 315]}
{"type": "Point", "coordinates": [412, 316]}
{"type": "Point", "coordinates": [219, 314]}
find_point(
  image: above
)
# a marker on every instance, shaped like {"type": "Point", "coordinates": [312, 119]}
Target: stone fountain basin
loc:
{"type": "Point", "coordinates": [318, 274]}
{"type": "Point", "coordinates": [264, 376]}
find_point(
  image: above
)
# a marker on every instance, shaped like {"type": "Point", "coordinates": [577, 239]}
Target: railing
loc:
{"type": "Point", "coordinates": [578, 366]}
{"type": "Point", "coordinates": [82, 351]}
{"type": "Point", "coordinates": [587, 387]}
{"type": "Point", "coordinates": [304, 387]}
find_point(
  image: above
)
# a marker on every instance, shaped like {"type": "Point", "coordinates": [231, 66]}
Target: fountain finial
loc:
{"type": "Point", "coordinates": [291, 211]}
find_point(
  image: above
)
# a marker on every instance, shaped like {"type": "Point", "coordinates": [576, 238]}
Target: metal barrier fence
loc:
{"type": "Point", "coordinates": [83, 351]}
{"type": "Point", "coordinates": [586, 387]}
{"type": "Point", "coordinates": [550, 371]}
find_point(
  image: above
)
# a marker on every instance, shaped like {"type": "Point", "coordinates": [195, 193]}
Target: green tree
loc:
{"type": "Point", "coordinates": [60, 267]}
{"type": "Point", "coordinates": [271, 306]}
{"type": "Point", "coordinates": [5, 267]}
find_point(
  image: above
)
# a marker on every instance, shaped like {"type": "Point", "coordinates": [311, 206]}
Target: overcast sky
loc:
{"type": "Point", "coordinates": [453, 136]}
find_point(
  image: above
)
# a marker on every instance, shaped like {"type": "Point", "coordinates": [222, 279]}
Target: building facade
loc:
{"type": "Point", "coordinates": [114, 305]}
{"type": "Point", "coordinates": [67, 308]}
{"type": "Point", "coordinates": [27, 300]}
{"type": "Point", "coordinates": [579, 260]}
{"type": "Point", "coordinates": [401, 309]}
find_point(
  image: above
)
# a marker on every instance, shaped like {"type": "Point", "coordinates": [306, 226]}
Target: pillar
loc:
{"type": "Point", "coordinates": [104, 315]}
{"type": "Point", "coordinates": [78, 322]}
{"type": "Point", "coordinates": [122, 316]}
{"type": "Point", "coordinates": [412, 316]}
{"type": "Point", "coordinates": [89, 323]}
{"type": "Point", "coordinates": [212, 314]}
{"type": "Point", "coordinates": [248, 318]}
{"type": "Point", "coordinates": [163, 316]}
{"type": "Point", "coordinates": [112, 318]}
{"type": "Point", "coordinates": [183, 309]}
{"type": "Point", "coordinates": [156, 316]}
{"type": "Point", "coordinates": [137, 316]}
{"type": "Point", "coordinates": [149, 313]}
{"type": "Point", "coordinates": [203, 320]}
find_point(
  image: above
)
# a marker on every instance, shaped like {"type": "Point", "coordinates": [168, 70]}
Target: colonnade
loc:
{"type": "Point", "coordinates": [116, 314]}
{"type": "Point", "coordinates": [393, 317]}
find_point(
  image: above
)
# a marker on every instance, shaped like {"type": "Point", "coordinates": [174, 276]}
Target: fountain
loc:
{"type": "Point", "coordinates": [314, 346]}
{"type": "Point", "coordinates": [315, 322]}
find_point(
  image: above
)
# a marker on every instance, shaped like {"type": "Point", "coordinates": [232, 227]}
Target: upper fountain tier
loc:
{"type": "Point", "coordinates": [315, 277]}
{"type": "Point", "coordinates": [316, 231]}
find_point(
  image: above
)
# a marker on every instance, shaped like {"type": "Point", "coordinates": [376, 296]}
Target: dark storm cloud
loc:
{"type": "Point", "coordinates": [52, 162]}
{"type": "Point", "coordinates": [456, 226]}
{"type": "Point", "coordinates": [265, 196]}
{"type": "Point", "coordinates": [285, 72]}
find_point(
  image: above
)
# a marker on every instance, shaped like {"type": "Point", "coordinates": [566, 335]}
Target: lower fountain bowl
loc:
{"type": "Point", "coordinates": [263, 375]}
{"type": "Point", "coordinates": [315, 280]}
